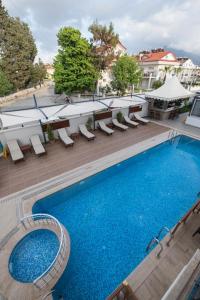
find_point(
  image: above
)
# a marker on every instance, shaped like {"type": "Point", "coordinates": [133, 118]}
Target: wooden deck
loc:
{"type": "Point", "coordinates": [15, 177]}
{"type": "Point", "coordinates": [153, 276]}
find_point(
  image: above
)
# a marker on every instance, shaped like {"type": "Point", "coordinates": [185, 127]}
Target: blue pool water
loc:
{"type": "Point", "coordinates": [33, 255]}
{"type": "Point", "coordinates": [112, 216]}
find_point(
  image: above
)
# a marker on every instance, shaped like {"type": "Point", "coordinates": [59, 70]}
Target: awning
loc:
{"type": "Point", "coordinates": [171, 90]}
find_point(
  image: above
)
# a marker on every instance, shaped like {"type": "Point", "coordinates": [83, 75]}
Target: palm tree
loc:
{"type": "Point", "coordinates": [167, 70]}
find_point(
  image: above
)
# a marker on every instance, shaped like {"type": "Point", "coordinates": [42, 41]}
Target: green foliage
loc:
{"type": "Point", "coordinates": [89, 124]}
{"type": "Point", "coordinates": [126, 72]}
{"type": "Point", "coordinates": [50, 132]}
{"type": "Point", "coordinates": [157, 84]}
{"type": "Point", "coordinates": [38, 73]}
{"type": "Point", "coordinates": [74, 64]}
{"type": "Point", "coordinates": [5, 86]}
{"type": "Point", "coordinates": [120, 117]}
{"type": "Point", "coordinates": [17, 50]}
{"type": "Point", "coordinates": [104, 41]}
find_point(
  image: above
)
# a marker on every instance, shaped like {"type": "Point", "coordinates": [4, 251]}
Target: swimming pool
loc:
{"type": "Point", "coordinates": [33, 254]}
{"type": "Point", "coordinates": [112, 216]}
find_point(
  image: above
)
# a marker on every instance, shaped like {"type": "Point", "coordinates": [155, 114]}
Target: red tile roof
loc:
{"type": "Point", "coordinates": [157, 56]}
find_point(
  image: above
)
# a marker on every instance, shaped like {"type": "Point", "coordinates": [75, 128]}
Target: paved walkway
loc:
{"type": "Point", "coordinates": [179, 124]}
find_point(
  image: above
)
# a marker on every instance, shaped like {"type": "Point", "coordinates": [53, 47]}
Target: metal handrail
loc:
{"type": "Point", "coordinates": [153, 241]}
{"type": "Point", "coordinates": [184, 218]}
{"type": "Point", "coordinates": [47, 216]}
{"type": "Point", "coordinates": [166, 229]}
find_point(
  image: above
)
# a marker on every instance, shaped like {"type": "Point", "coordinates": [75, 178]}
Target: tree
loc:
{"type": "Point", "coordinates": [17, 50]}
{"type": "Point", "coordinates": [38, 73]}
{"type": "Point", "coordinates": [104, 41]}
{"type": "Point", "coordinates": [74, 64]}
{"type": "Point", "coordinates": [5, 86]}
{"type": "Point", "coordinates": [126, 72]}
{"type": "Point", "coordinates": [157, 83]}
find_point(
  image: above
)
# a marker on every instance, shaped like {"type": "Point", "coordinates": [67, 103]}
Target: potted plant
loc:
{"type": "Point", "coordinates": [120, 117]}
{"type": "Point", "coordinates": [50, 133]}
{"type": "Point", "coordinates": [89, 124]}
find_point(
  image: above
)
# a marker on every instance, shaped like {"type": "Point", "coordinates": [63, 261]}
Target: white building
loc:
{"type": "Point", "coordinates": [106, 76]}
{"type": "Point", "coordinates": [159, 63]}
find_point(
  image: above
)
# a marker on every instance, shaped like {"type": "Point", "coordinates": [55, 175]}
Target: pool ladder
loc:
{"type": "Point", "coordinates": [156, 240]}
{"type": "Point", "coordinates": [172, 135]}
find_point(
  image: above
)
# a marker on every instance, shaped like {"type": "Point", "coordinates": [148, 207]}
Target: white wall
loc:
{"type": "Point", "coordinates": [22, 134]}
{"type": "Point", "coordinates": [193, 121]}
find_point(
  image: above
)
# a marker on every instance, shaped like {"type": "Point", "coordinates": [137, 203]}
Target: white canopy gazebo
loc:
{"type": "Point", "coordinates": [166, 100]}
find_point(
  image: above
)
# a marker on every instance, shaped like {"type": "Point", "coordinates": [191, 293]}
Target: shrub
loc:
{"type": "Point", "coordinates": [89, 124]}
{"type": "Point", "coordinates": [50, 132]}
{"type": "Point", "coordinates": [157, 84]}
{"type": "Point", "coordinates": [120, 117]}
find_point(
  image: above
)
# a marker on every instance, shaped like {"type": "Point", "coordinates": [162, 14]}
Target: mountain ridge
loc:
{"type": "Point", "coordinates": [182, 53]}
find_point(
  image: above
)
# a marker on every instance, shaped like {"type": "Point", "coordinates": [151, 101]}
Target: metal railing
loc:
{"type": "Point", "coordinates": [152, 242]}
{"type": "Point", "coordinates": [32, 221]}
{"type": "Point", "coordinates": [172, 134]}
{"type": "Point", "coordinates": [156, 239]}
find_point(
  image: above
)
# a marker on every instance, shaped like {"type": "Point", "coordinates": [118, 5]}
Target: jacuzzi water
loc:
{"type": "Point", "coordinates": [33, 255]}
{"type": "Point", "coordinates": [112, 216]}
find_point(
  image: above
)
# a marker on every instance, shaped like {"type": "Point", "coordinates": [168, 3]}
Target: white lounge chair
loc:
{"type": "Point", "coordinates": [86, 133]}
{"type": "Point", "coordinates": [105, 128]}
{"type": "Point", "coordinates": [15, 151]}
{"type": "Point", "coordinates": [130, 122]}
{"type": "Point", "coordinates": [140, 119]}
{"type": "Point", "coordinates": [37, 145]}
{"type": "Point", "coordinates": [119, 125]}
{"type": "Point", "coordinates": [67, 141]}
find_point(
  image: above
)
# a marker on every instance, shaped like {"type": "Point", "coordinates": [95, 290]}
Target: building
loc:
{"type": "Point", "coordinates": [159, 63]}
{"type": "Point", "coordinates": [106, 76]}
{"type": "Point", "coordinates": [50, 71]}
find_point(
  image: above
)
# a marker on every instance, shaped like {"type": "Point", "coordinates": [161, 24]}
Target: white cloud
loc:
{"type": "Point", "coordinates": [142, 24]}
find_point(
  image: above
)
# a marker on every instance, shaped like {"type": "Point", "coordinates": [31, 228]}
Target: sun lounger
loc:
{"type": "Point", "coordinates": [140, 119]}
{"type": "Point", "coordinates": [86, 133]}
{"type": "Point", "coordinates": [130, 122]}
{"type": "Point", "coordinates": [119, 125]}
{"type": "Point", "coordinates": [37, 145]}
{"type": "Point", "coordinates": [15, 151]}
{"type": "Point", "coordinates": [105, 128]}
{"type": "Point", "coordinates": [67, 141]}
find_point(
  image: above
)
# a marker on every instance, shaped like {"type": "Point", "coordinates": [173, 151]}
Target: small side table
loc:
{"type": "Point", "coordinates": [26, 148]}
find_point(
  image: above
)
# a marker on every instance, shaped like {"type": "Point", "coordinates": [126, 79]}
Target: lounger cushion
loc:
{"type": "Point", "coordinates": [85, 132]}
{"type": "Point", "coordinates": [119, 125]}
{"type": "Point", "coordinates": [105, 128]}
{"type": "Point", "coordinates": [37, 145]}
{"type": "Point", "coordinates": [64, 137]}
{"type": "Point", "coordinates": [15, 150]}
{"type": "Point", "coordinates": [130, 122]}
{"type": "Point", "coordinates": [137, 117]}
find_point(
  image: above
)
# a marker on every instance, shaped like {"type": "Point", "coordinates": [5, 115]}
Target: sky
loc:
{"type": "Point", "coordinates": [141, 24]}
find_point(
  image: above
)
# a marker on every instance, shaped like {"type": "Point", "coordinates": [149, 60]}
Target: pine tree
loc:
{"type": "Point", "coordinates": [104, 40]}
{"type": "Point", "coordinates": [38, 73]}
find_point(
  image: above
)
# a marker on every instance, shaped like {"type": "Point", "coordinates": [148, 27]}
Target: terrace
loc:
{"type": "Point", "coordinates": [59, 159]}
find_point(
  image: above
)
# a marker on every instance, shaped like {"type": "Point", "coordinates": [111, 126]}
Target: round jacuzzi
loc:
{"type": "Point", "coordinates": [33, 254]}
